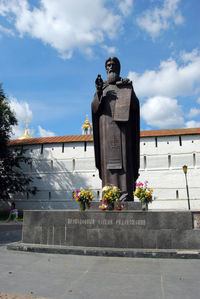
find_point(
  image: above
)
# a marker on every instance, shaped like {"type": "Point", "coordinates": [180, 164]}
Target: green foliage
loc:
{"type": "Point", "coordinates": [7, 119]}
{"type": "Point", "coordinates": [12, 178]}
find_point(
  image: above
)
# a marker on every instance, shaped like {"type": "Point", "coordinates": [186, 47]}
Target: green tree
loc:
{"type": "Point", "coordinates": [12, 178]}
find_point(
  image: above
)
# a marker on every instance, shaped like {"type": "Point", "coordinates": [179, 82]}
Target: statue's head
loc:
{"type": "Point", "coordinates": [112, 64]}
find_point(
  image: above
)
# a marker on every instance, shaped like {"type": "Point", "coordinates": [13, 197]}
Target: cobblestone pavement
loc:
{"type": "Point", "coordinates": [57, 276]}
{"type": "Point", "coordinates": [15, 296]}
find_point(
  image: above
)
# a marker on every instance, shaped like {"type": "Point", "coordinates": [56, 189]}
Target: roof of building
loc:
{"type": "Point", "coordinates": [170, 132]}
{"type": "Point", "coordinates": [82, 138]}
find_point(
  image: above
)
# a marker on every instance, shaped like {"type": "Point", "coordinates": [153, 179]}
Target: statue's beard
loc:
{"type": "Point", "coordinates": [112, 77]}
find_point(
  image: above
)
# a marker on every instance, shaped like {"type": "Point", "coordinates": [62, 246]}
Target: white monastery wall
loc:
{"type": "Point", "coordinates": [161, 162]}
{"type": "Point", "coordinates": [60, 168]}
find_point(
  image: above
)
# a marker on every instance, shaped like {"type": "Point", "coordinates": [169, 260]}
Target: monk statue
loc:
{"type": "Point", "coordinates": [116, 129]}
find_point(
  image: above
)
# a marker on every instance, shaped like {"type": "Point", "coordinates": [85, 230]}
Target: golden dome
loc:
{"type": "Point", "coordinates": [87, 124]}
{"type": "Point", "coordinates": [26, 134]}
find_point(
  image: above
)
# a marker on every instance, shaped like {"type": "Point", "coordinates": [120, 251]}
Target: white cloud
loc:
{"type": "Point", "coordinates": [109, 50]}
{"type": "Point", "coordinates": [126, 7]}
{"type": "Point", "coordinates": [162, 112]}
{"type": "Point", "coordinates": [192, 124]}
{"type": "Point", "coordinates": [198, 101]}
{"type": "Point", "coordinates": [66, 25]}
{"type": "Point", "coordinates": [170, 80]}
{"type": "Point", "coordinates": [6, 31]}
{"type": "Point", "coordinates": [193, 112]}
{"type": "Point", "coordinates": [190, 56]}
{"type": "Point", "coordinates": [22, 112]}
{"type": "Point", "coordinates": [161, 87]}
{"type": "Point", "coordinates": [157, 19]}
{"type": "Point", "coordinates": [45, 133]}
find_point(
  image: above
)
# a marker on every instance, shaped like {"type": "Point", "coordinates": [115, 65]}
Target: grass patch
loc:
{"type": "Point", "coordinates": [4, 218]}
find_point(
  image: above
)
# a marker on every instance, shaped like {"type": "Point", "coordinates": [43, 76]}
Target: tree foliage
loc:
{"type": "Point", "coordinates": [12, 178]}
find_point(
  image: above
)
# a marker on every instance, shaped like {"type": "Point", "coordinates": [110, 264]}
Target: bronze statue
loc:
{"type": "Point", "coordinates": [116, 129]}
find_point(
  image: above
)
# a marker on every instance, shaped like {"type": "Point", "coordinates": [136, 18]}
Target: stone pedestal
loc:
{"type": "Point", "coordinates": [115, 229]}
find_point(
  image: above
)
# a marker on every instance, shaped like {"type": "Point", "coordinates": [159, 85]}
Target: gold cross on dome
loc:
{"type": "Point", "coordinates": [26, 122]}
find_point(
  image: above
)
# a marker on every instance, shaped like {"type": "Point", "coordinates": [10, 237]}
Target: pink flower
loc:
{"type": "Point", "coordinates": [139, 184]}
{"type": "Point", "coordinates": [77, 193]}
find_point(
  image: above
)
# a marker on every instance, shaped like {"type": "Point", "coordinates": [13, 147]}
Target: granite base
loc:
{"type": "Point", "coordinates": [114, 229]}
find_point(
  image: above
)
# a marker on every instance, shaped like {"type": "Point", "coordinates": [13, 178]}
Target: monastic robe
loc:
{"type": "Point", "coordinates": [116, 129]}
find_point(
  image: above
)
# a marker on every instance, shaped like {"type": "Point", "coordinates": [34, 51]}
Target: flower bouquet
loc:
{"type": "Point", "coordinates": [144, 194]}
{"type": "Point", "coordinates": [84, 197]}
{"type": "Point", "coordinates": [111, 194]}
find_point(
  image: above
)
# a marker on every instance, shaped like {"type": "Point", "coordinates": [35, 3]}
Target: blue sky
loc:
{"type": "Point", "coordinates": [51, 52]}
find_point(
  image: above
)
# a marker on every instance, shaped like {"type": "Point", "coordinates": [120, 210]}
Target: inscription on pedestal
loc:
{"type": "Point", "coordinates": [78, 221]}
